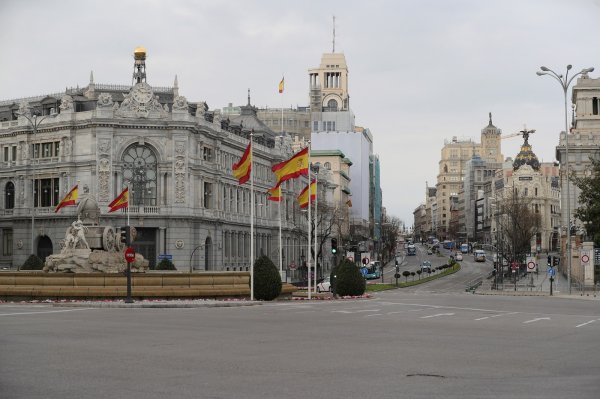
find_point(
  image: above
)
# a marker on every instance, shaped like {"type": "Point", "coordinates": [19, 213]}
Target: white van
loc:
{"type": "Point", "coordinates": [479, 255]}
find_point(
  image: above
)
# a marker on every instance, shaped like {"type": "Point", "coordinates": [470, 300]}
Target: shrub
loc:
{"type": "Point", "coordinates": [406, 273]}
{"type": "Point", "coordinates": [33, 263]}
{"type": "Point", "coordinates": [165, 264]}
{"type": "Point", "coordinates": [412, 274]}
{"type": "Point", "coordinates": [419, 273]}
{"type": "Point", "coordinates": [348, 279]}
{"type": "Point", "coordinates": [267, 280]}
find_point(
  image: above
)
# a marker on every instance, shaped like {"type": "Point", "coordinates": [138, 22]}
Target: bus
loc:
{"type": "Point", "coordinates": [464, 248]}
{"type": "Point", "coordinates": [411, 250]}
{"type": "Point", "coordinates": [373, 270]}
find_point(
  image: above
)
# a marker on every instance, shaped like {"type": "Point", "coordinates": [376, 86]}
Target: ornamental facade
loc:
{"type": "Point", "coordinates": [176, 158]}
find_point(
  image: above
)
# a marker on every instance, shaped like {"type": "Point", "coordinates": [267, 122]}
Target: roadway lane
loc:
{"type": "Point", "coordinates": [400, 344]}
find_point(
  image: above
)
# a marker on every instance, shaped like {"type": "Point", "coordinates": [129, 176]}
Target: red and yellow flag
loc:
{"type": "Point", "coordinates": [242, 169]}
{"type": "Point", "coordinates": [275, 194]}
{"type": "Point", "coordinates": [303, 197]}
{"type": "Point", "coordinates": [292, 168]}
{"type": "Point", "coordinates": [281, 85]}
{"type": "Point", "coordinates": [69, 200]}
{"type": "Point", "coordinates": [122, 201]}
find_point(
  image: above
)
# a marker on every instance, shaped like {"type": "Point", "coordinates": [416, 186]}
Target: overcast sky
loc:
{"type": "Point", "coordinates": [420, 71]}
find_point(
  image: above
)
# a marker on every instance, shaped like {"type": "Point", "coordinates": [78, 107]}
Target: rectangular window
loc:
{"type": "Point", "coordinates": [207, 154]}
{"type": "Point", "coordinates": [46, 192]}
{"type": "Point", "coordinates": [7, 242]}
{"type": "Point", "coordinates": [207, 195]}
{"type": "Point", "coordinates": [595, 104]}
{"type": "Point", "coordinates": [14, 153]}
{"type": "Point", "coordinates": [315, 126]}
{"type": "Point", "coordinates": [6, 154]}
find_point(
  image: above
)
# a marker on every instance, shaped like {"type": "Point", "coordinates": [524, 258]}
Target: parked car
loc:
{"type": "Point", "coordinates": [458, 257]}
{"type": "Point", "coordinates": [426, 266]}
{"type": "Point", "coordinates": [324, 286]}
{"type": "Point", "coordinates": [429, 252]}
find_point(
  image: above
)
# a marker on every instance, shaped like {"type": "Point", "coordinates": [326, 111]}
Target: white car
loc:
{"type": "Point", "coordinates": [458, 256]}
{"type": "Point", "coordinates": [324, 286]}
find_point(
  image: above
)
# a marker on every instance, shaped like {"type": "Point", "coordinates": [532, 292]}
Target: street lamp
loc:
{"type": "Point", "coordinates": [34, 122]}
{"type": "Point", "coordinates": [565, 82]}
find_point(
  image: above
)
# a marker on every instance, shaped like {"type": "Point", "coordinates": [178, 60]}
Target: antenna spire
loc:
{"type": "Point", "coordinates": [333, 41]}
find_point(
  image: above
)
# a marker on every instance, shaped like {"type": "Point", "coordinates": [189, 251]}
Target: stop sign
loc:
{"type": "Point", "coordinates": [129, 255]}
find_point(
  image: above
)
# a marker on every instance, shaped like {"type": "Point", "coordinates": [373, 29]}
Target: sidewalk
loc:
{"type": "Point", "coordinates": [538, 285]}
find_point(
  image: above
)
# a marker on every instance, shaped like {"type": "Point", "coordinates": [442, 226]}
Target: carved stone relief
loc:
{"type": "Point", "coordinates": [105, 100]}
{"type": "Point", "coordinates": [24, 108]}
{"type": "Point", "coordinates": [141, 102]}
{"type": "Point", "coordinates": [180, 173]}
{"type": "Point", "coordinates": [103, 179]}
{"type": "Point", "coordinates": [104, 147]}
{"type": "Point", "coordinates": [180, 104]}
{"type": "Point", "coordinates": [66, 103]}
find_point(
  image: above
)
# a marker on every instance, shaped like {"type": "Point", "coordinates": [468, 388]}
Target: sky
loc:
{"type": "Point", "coordinates": [420, 72]}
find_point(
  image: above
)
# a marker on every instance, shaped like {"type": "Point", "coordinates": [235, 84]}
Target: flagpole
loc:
{"type": "Point", "coordinates": [251, 216]}
{"type": "Point", "coordinates": [308, 224]}
{"type": "Point", "coordinates": [316, 231]}
{"type": "Point", "coordinates": [128, 201]}
{"type": "Point", "coordinates": [280, 240]}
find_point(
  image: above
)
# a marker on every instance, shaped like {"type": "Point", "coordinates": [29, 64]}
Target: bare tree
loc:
{"type": "Point", "coordinates": [518, 224]}
{"type": "Point", "coordinates": [390, 231]}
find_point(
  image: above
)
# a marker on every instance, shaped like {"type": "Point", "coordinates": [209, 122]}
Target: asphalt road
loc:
{"type": "Point", "coordinates": [400, 344]}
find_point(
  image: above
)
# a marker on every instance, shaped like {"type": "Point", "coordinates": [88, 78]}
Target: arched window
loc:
{"type": "Point", "coordinates": [332, 105]}
{"type": "Point", "coordinates": [9, 195]}
{"type": "Point", "coordinates": [139, 173]}
{"type": "Point", "coordinates": [327, 165]}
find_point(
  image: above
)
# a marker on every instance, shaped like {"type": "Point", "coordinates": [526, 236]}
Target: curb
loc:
{"type": "Point", "coordinates": [156, 305]}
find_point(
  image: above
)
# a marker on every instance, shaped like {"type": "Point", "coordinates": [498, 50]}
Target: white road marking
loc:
{"type": "Point", "coordinates": [496, 315]}
{"type": "Point", "coordinates": [537, 319]}
{"type": "Point", "coordinates": [437, 315]}
{"type": "Point", "coordinates": [374, 314]}
{"type": "Point", "coordinates": [49, 311]}
{"type": "Point", "coordinates": [586, 323]}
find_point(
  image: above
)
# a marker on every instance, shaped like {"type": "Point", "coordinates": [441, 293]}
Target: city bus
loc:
{"type": "Point", "coordinates": [411, 250]}
{"type": "Point", "coordinates": [373, 270]}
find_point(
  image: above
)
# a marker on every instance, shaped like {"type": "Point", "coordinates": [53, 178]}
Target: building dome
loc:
{"type": "Point", "coordinates": [526, 157]}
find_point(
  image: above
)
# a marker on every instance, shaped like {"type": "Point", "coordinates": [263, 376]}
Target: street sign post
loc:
{"type": "Point", "coordinates": [531, 264]}
{"type": "Point", "coordinates": [129, 258]}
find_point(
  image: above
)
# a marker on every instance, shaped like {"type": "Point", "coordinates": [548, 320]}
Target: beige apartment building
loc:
{"type": "Point", "coordinates": [454, 157]}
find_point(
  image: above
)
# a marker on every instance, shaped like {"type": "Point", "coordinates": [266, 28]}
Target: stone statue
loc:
{"type": "Point", "coordinates": [66, 103]}
{"type": "Point", "coordinates": [180, 104]}
{"type": "Point", "coordinates": [105, 100]}
{"type": "Point", "coordinates": [78, 230]}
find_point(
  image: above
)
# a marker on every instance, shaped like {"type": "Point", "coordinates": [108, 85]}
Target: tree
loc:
{"type": "Point", "coordinates": [267, 280]}
{"type": "Point", "coordinates": [518, 224]}
{"type": "Point", "coordinates": [589, 200]}
{"type": "Point", "coordinates": [348, 279]}
{"type": "Point", "coordinates": [390, 231]}
{"type": "Point", "coordinates": [406, 273]}
{"type": "Point", "coordinates": [165, 264]}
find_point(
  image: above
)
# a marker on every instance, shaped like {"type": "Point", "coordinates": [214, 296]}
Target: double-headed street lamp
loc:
{"type": "Point", "coordinates": [565, 82]}
{"type": "Point", "coordinates": [34, 122]}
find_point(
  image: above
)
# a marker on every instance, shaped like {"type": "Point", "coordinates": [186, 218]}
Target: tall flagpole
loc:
{"type": "Point", "coordinates": [280, 239]}
{"type": "Point", "coordinates": [280, 198]}
{"type": "Point", "coordinates": [308, 224]}
{"type": "Point", "coordinates": [251, 216]}
{"type": "Point", "coordinates": [316, 231]}
{"type": "Point", "coordinates": [128, 201]}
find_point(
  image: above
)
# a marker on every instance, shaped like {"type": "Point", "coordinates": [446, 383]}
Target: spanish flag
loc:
{"type": "Point", "coordinates": [281, 85]}
{"type": "Point", "coordinates": [122, 201]}
{"type": "Point", "coordinates": [69, 199]}
{"type": "Point", "coordinates": [292, 168]}
{"type": "Point", "coordinates": [275, 194]}
{"type": "Point", "coordinates": [303, 197]}
{"type": "Point", "coordinates": [242, 169]}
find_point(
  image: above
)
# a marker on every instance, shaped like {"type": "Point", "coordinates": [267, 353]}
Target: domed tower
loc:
{"type": "Point", "coordinates": [490, 143]}
{"type": "Point", "coordinates": [526, 155]}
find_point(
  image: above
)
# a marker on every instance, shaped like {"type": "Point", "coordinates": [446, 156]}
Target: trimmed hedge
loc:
{"type": "Point", "coordinates": [33, 263]}
{"type": "Point", "coordinates": [165, 264]}
{"type": "Point", "coordinates": [348, 280]}
{"type": "Point", "coordinates": [267, 280]}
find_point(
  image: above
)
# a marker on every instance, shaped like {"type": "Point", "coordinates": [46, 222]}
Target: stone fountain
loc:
{"type": "Point", "coordinates": [89, 247]}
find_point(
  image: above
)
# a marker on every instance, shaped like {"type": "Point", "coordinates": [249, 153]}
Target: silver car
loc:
{"type": "Point", "coordinates": [324, 286]}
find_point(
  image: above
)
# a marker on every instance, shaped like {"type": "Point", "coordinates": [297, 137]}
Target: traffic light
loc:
{"type": "Point", "coordinates": [549, 260]}
{"type": "Point", "coordinates": [556, 261]}
{"type": "Point", "coordinates": [334, 247]}
{"type": "Point", "coordinates": [126, 236]}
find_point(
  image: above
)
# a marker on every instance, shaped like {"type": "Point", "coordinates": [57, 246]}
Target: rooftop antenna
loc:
{"type": "Point", "coordinates": [333, 41]}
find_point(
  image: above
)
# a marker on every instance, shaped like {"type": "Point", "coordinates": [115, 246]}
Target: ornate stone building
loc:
{"type": "Point", "coordinates": [175, 156]}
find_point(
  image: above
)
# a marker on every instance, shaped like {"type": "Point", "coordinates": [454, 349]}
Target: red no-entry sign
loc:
{"type": "Point", "coordinates": [129, 255]}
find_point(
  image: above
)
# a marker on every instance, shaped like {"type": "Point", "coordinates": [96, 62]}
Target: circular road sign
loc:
{"type": "Point", "coordinates": [292, 265]}
{"type": "Point", "coordinates": [129, 255]}
{"type": "Point", "coordinates": [531, 265]}
{"type": "Point", "coordinates": [585, 259]}
{"type": "Point", "coordinates": [365, 261]}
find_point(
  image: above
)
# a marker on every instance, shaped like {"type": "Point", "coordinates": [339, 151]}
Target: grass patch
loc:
{"type": "Point", "coordinates": [446, 272]}
{"type": "Point", "coordinates": [379, 287]}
